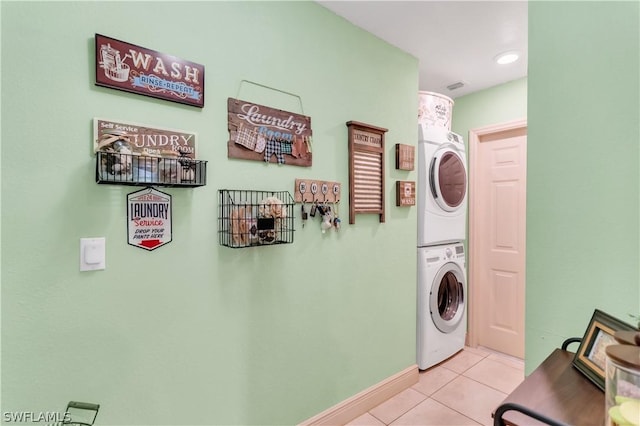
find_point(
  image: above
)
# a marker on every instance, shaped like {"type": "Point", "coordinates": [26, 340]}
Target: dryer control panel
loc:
{"type": "Point", "coordinates": [438, 135]}
{"type": "Point", "coordinates": [455, 138]}
{"type": "Point", "coordinates": [435, 256]}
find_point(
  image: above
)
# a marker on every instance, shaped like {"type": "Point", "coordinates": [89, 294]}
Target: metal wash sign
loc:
{"type": "Point", "coordinates": [149, 218]}
{"type": "Point", "coordinates": [124, 66]}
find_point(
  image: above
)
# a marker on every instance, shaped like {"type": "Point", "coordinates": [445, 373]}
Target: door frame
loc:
{"type": "Point", "coordinates": [474, 291]}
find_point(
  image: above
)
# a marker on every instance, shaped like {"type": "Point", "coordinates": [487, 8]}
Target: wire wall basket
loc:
{"type": "Point", "coordinates": [131, 169]}
{"type": "Point", "coordinates": [248, 218]}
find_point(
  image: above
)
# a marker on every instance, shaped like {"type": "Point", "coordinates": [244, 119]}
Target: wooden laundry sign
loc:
{"type": "Point", "coordinates": [260, 133]}
{"type": "Point", "coordinates": [366, 170]}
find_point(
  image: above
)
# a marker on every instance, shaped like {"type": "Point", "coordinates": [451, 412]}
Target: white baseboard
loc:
{"type": "Point", "coordinates": [364, 401]}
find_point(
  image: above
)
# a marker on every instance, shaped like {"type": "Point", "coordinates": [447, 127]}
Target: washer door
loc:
{"type": "Point", "coordinates": [446, 300]}
{"type": "Point", "coordinates": [448, 179]}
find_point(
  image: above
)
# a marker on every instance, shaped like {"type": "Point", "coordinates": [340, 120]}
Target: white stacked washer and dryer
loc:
{"type": "Point", "coordinates": [442, 215]}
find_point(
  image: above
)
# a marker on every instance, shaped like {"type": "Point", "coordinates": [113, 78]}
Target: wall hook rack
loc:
{"type": "Point", "coordinates": [312, 191]}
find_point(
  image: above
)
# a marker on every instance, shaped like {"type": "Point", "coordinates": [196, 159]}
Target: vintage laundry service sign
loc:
{"type": "Point", "coordinates": [260, 133]}
{"type": "Point", "coordinates": [149, 218]}
{"type": "Point", "coordinates": [124, 66]}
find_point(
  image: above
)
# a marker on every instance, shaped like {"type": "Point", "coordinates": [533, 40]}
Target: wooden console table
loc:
{"type": "Point", "coordinates": [559, 392]}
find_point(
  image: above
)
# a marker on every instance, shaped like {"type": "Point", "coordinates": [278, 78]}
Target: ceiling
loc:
{"type": "Point", "coordinates": [454, 41]}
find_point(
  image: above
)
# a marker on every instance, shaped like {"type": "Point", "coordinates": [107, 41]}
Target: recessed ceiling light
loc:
{"type": "Point", "coordinates": [507, 58]}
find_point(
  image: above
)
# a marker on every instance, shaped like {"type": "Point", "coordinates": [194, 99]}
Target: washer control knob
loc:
{"type": "Point", "coordinates": [448, 252]}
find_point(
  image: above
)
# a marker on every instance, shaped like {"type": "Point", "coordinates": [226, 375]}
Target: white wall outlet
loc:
{"type": "Point", "coordinates": [92, 254]}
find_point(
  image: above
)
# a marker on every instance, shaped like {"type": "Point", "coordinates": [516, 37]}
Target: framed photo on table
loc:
{"type": "Point", "coordinates": [590, 357]}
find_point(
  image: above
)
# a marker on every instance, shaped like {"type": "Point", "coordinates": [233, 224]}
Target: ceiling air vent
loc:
{"type": "Point", "coordinates": [455, 86]}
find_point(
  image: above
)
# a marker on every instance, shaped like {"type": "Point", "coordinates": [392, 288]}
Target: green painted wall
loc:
{"type": "Point", "coordinates": [583, 168]}
{"type": "Point", "coordinates": [196, 333]}
{"type": "Point", "coordinates": [498, 104]}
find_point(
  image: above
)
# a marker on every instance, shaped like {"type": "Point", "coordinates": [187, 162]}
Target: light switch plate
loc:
{"type": "Point", "coordinates": [92, 254]}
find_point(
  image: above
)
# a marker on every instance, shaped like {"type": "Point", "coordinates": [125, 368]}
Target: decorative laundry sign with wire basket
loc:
{"type": "Point", "coordinates": [137, 154]}
{"type": "Point", "coordinates": [261, 133]}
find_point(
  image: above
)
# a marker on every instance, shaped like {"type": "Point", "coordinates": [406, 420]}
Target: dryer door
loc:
{"type": "Point", "coordinates": [448, 179]}
{"type": "Point", "coordinates": [446, 300]}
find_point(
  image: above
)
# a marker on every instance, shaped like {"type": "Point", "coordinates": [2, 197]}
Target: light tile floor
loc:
{"type": "Point", "coordinates": [460, 391]}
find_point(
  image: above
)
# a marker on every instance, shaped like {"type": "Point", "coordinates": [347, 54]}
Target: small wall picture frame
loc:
{"type": "Point", "coordinates": [405, 157]}
{"type": "Point", "coordinates": [405, 193]}
{"type": "Point", "coordinates": [590, 357]}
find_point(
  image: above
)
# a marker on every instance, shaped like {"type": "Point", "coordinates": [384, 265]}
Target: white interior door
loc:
{"type": "Point", "coordinates": [497, 214]}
